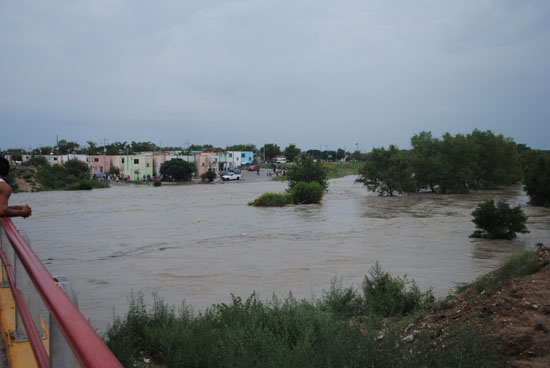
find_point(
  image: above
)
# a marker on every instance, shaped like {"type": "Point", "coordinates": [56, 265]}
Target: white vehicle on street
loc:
{"type": "Point", "coordinates": [231, 176]}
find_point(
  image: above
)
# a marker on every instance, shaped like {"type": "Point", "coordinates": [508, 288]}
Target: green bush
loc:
{"type": "Point", "coordinates": [308, 170]}
{"type": "Point", "coordinates": [157, 183]}
{"type": "Point", "coordinates": [498, 221]}
{"type": "Point", "coordinates": [304, 193]}
{"type": "Point", "coordinates": [208, 176]}
{"type": "Point", "coordinates": [525, 263]}
{"type": "Point", "coordinates": [272, 200]}
{"type": "Point", "coordinates": [390, 296]}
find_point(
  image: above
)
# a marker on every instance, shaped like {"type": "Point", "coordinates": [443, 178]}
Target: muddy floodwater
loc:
{"type": "Point", "coordinates": [202, 243]}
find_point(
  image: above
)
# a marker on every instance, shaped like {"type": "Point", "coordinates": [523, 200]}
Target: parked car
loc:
{"type": "Point", "coordinates": [235, 170]}
{"type": "Point", "coordinates": [253, 168]}
{"type": "Point", "coordinates": [223, 172]}
{"type": "Point", "coordinates": [231, 176]}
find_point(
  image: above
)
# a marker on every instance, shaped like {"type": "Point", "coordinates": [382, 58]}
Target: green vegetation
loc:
{"type": "Point", "coordinates": [393, 296]}
{"type": "Point", "coordinates": [272, 200]}
{"type": "Point", "coordinates": [307, 170]}
{"type": "Point", "coordinates": [177, 170]}
{"type": "Point", "coordinates": [387, 171]}
{"type": "Point", "coordinates": [307, 193]}
{"type": "Point", "coordinates": [291, 152]}
{"type": "Point", "coordinates": [340, 169]}
{"type": "Point", "coordinates": [537, 178]}
{"type": "Point", "coordinates": [302, 193]}
{"type": "Point", "coordinates": [290, 333]}
{"type": "Point", "coordinates": [521, 264]}
{"type": "Point", "coordinates": [208, 176]}
{"type": "Point", "coordinates": [453, 164]}
{"type": "Point", "coordinates": [498, 221]}
{"type": "Point", "coordinates": [73, 175]}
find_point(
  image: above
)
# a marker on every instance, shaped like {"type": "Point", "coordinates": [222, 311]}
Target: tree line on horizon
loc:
{"type": "Point", "coordinates": [458, 164]}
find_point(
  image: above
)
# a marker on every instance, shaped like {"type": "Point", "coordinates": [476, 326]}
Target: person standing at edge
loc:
{"type": "Point", "coordinates": [5, 192]}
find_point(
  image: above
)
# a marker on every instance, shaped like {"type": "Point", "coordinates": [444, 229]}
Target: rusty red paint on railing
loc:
{"type": "Point", "coordinates": [87, 346]}
{"type": "Point", "coordinates": [32, 333]}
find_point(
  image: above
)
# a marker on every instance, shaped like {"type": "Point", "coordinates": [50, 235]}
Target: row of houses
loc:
{"type": "Point", "coordinates": [146, 165]}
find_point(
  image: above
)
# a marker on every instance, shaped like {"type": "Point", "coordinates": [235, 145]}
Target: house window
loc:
{"type": "Point", "coordinates": [96, 159]}
{"type": "Point", "coordinates": [147, 165]}
{"type": "Point", "coordinates": [230, 155]}
{"type": "Point", "coordinates": [122, 160]}
{"type": "Point", "coordinates": [136, 161]}
{"type": "Point", "coordinates": [242, 155]}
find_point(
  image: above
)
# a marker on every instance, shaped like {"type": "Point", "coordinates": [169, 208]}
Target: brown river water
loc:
{"type": "Point", "coordinates": [202, 243]}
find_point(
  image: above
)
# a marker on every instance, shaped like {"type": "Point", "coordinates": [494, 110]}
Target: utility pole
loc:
{"type": "Point", "coordinates": [104, 152]}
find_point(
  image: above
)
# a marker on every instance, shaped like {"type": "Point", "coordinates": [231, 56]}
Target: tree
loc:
{"type": "Point", "coordinates": [496, 160]}
{"type": "Point", "coordinates": [77, 168]}
{"type": "Point", "coordinates": [242, 147]}
{"type": "Point", "coordinates": [271, 150]}
{"type": "Point", "coordinates": [537, 180]}
{"type": "Point", "coordinates": [387, 171]}
{"type": "Point", "coordinates": [64, 147]}
{"type": "Point", "coordinates": [340, 154]}
{"type": "Point", "coordinates": [498, 221]}
{"type": "Point", "coordinates": [427, 161]}
{"type": "Point", "coordinates": [177, 170]}
{"type": "Point", "coordinates": [291, 152]}
{"type": "Point", "coordinates": [307, 170]}
{"type": "Point", "coordinates": [143, 146]}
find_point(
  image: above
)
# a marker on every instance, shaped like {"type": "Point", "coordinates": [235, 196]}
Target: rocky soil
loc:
{"type": "Point", "coordinates": [516, 314]}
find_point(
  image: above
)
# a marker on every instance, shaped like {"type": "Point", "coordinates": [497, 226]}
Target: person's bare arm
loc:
{"type": "Point", "coordinates": [11, 211]}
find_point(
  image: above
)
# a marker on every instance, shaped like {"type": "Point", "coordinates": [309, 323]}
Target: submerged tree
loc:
{"type": "Point", "coordinates": [498, 221]}
{"type": "Point", "coordinates": [387, 171]}
{"type": "Point", "coordinates": [537, 180]}
{"type": "Point", "coordinates": [307, 170]}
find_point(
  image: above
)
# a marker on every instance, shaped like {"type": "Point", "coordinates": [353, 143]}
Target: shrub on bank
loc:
{"type": "Point", "coordinates": [287, 333]}
{"type": "Point", "coordinates": [389, 296]}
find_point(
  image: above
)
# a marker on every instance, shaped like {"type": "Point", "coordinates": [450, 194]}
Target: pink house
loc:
{"type": "Point", "coordinates": [205, 161]}
{"type": "Point", "coordinates": [99, 164]}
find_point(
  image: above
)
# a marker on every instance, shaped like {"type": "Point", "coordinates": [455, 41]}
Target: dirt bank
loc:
{"type": "Point", "coordinates": [516, 314]}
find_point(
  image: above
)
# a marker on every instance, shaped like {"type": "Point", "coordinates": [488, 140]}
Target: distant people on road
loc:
{"type": "Point", "coordinates": [5, 192]}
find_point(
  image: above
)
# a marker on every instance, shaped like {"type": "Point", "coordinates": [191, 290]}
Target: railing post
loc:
{"type": "Point", "coordinates": [60, 352]}
{"type": "Point", "coordinates": [10, 255]}
{"type": "Point", "coordinates": [31, 297]}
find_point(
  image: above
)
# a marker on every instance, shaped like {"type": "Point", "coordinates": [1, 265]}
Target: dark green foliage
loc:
{"type": "Point", "coordinates": [270, 151]}
{"type": "Point", "coordinates": [306, 193]}
{"type": "Point", "coordinates": [498, 221]}
{"type": "Point", "coordinates": [209, 176]}
{"type": "Point", "coordinates": [289, 333]}
{"type": "Point", "coordinates": [272, 200]}
{"type": "Point", "coordinates": [157, 183]}
{"type": "Point", "coordinates": [73, 175]}
{"type": "Point", "coordinates": [177, 170]}
{"type": "Point", "coordinates": [387, 171]}
{"type": "Point", "coordinates": [37, 161]}
{"type": "Point", "coordinates": [307, 170]}
{"type": "Point", "coordinates": [249, 333]}
{"type": "Point", "coordinates": [388, 296]}
{"type": "Point", "coordinates": [242, 147]}
{"type": "Point", "coordinates": [537, 179]}
{"type": "Point", "coordinates": [340, 301]}
{"type": "Point", "coordinates": [77, 168]}
{"type": "Point", "coordinates": [459, 163]}
{"type": "Point", "coordinates": [291, 152]}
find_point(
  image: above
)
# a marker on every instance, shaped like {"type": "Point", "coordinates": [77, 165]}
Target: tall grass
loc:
{"type": "Point", "coordinates": [287, 333]}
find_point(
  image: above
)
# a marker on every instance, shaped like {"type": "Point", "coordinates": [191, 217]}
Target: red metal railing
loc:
{"type": "Point", "coordinates": [87, 346]}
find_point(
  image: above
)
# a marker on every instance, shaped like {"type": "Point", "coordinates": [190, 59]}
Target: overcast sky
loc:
{"type": "Point", "coordinates": [320, 74]}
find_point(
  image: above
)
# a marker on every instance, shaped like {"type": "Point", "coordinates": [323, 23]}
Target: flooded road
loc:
{"type": "Point", "coordinates": [202, 242]}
